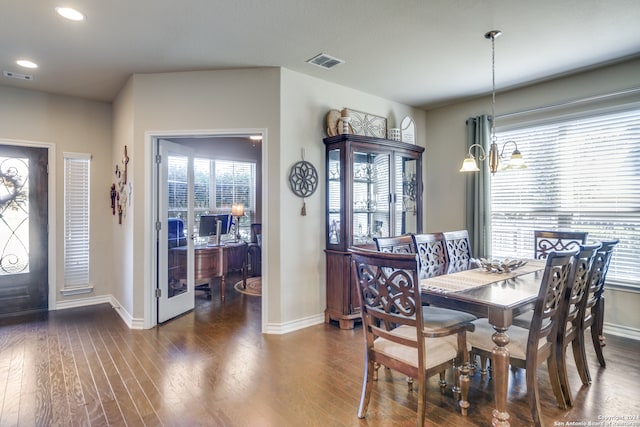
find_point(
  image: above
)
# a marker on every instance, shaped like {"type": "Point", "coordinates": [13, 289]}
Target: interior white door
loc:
{"type": "Point", "coordinates": [175, 287]}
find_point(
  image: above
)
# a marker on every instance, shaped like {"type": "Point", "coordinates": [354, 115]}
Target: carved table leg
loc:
{"type": "Point", "coordinates": [222, 287]}
{"type": "Point", "coordinates": [500, 364]}
{"type": "Point", "coordinates": [464, 388]}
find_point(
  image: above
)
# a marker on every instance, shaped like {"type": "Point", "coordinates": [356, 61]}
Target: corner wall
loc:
{"type": "Point", "coordinates": [305, 102]}
{"type": "Point", "coordinates": [185, 102]}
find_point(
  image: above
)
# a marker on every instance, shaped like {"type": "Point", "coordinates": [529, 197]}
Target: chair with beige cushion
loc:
{"type": "Point", "coordinates": [432, 254]}
{"type": "Point", "coordinates": [547, 241]}
{"type": "Point", "coordinates": [389, 295]}
{"type": "Point", "coordinates": [435, 317]}
{"type": "Point", "coordinates": [594, 306]}
{"type": "Point", "coordinates": [574, 307]}
{"type": "Point", "coordinates": [395, 244]}
{"type": "Point", "coordinates": [458, 250]}
{"type": "Point", "coordinates": [529, 348]}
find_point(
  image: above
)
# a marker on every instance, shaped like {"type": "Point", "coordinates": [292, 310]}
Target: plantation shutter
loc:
{"type": "Point", "coordinates": [76, 219]}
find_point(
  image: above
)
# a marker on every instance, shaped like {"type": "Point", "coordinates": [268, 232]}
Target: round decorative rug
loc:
{"type": "Point", "coordinates": [254, 286]}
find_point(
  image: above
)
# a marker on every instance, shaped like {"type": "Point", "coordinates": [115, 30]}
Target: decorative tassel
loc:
{"type": "Point", "coordinates": [303, 211]}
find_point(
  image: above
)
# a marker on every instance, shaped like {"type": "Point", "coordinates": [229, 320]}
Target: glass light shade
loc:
{"type": "Point", "coordinates": [237, 209]}
{"type": "Point", "coordinates": [516, 161]}
{"type": "Point", "coordinates": [469, 165]}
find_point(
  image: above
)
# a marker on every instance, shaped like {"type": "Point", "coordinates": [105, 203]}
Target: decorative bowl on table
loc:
{"type": "Point", "coordinates": [501, 266]}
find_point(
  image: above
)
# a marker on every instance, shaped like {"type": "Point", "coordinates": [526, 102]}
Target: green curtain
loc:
{"type": "Point", "coordinates": [478, 189]}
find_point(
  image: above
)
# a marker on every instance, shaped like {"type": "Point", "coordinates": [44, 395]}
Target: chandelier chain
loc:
{"type": "Point", "coordinates": [493, 85]}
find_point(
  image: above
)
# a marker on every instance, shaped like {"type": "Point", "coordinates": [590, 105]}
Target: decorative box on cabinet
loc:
{"type": "Point", "coordinates": [374, 188]}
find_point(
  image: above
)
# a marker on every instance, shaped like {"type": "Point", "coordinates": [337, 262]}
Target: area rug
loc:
{"type": "Point", "coordinates": [254, 286]}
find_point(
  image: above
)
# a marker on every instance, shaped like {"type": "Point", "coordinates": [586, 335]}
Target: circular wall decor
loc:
{"type": "Point", "coordinates": [303, 179]}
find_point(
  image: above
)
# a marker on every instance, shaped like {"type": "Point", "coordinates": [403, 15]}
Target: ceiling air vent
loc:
{"type": "Point", "coordinates": [325, 61]}
{"type": "Point", "coordinates": [18, 76]}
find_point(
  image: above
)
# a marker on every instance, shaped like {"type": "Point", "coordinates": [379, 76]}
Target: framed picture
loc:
{"type": "Point", "coordinates": [368, 124]}
{"type": "Point", "coordinates": [408, 130]}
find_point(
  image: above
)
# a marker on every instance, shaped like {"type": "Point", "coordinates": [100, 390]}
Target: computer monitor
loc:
{"type": "Point", "coordinates": [208, 225]}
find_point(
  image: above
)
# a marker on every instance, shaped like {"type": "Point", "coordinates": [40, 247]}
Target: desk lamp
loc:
{"type": "Point", "coordinates": [237, 210]}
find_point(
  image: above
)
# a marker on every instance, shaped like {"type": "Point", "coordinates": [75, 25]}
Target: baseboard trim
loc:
{"type": "Point", "coordinates": [277, 328]}
{"type": "Point", "coordinates": [129, 320]}
{"type": "Point", "coordinates": [294, 325]}
{"type": "Point", "coordinates": [82, 302]}
{"type": "Point", "coordinates": [621, 331]}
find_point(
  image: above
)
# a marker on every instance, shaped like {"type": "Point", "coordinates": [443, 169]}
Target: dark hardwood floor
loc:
{"type": "Point", "coordinates": [213, 367]}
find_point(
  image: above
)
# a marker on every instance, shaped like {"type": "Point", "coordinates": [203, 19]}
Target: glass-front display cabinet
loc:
{"type": "Point", "coordinates": [374, 189]}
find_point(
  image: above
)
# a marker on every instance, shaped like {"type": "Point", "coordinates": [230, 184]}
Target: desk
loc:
{"type": "Point", "coordinates": [499, 301]}
{"type": "Point", "coordinates": [211, 262]}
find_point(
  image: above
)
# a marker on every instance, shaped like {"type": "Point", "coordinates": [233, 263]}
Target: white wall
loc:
{"type": "Point", "coordinates": [305, 102]}
{"type": "Point", "coordinates": [174, 102]}
{"type": "Point", "coordinates": [446, 148]}
{"type": "Point", "coordinates": [71, 125]}
{"type": "Point", "coordinates": [122, 264]}
{"type": "Point", "coordinates": [293, 108]}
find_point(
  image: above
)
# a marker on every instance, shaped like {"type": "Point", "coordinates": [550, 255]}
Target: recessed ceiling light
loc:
{"type": "Point", "coordinates": [26, 63]}
{"type": "Point", "coordinates": [71, 14]}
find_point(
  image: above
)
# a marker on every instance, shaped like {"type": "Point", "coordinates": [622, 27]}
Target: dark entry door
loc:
{"type": "Point", "coordinates": [23, 230]}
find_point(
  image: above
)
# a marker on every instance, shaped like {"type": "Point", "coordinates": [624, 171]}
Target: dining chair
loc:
{"type": "Point", "coordinates": [433, 261]}
{"type": "Point", "coordinates": [389, 294]}
{"type": "Point", "coordinates": [573, 313]}
{"type": "Point", "coordinates": [395, 244]}
{"type": "Point", "coordinates": [432, 254]}
{"type": "Point", "coordinates": [436, 317]}
{"type": "Point", "coordinates": [547, 241]}
{"type": "Point", "coordinates": [529, 348]}
{"type": "Point", "coordinates": [458, 250]}
{"type": "Point", "coordinates": [594, 307]}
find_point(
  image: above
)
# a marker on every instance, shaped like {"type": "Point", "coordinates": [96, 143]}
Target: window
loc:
{"type": "Point", "coordinates": [76, 219]}
{"type": "Point", "coordinates": [217, 185]}
{"type": "Point", "coordinates": [583, 174]}
{"type": "Point", "coordinates": [235, 182]}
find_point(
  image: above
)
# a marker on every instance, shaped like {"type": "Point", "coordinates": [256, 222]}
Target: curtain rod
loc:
{"type": "Point", "coordinates": [570, 103]}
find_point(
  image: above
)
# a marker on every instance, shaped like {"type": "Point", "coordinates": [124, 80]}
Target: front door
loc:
{"type": "Point", "coordinates": [175, 286]}
{"type": "Point", "coordinates": [24, 285]}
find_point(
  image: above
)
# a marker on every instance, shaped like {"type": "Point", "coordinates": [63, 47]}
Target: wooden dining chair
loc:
{"type": "Point", "coordinates": [573, 307]}
{"type": "Point", "coordinates": [432, 254]}
{"type": "Point", "coordinates": [529, 348]}
{"type": "Point", "coordinates": [594, 307]}
{"type": "Point", "coordinates": [389, 294]}
{"type": "Point", "coordinates": [433, 261]}
{"type": "Point", "coordinates": [458, 250]}
{"type": "Point", "coordinates": [437, 317]}
{"type": "Point", "coordinates": [547, 241]}
{"type": "Point", "coordinates": [395, 244]}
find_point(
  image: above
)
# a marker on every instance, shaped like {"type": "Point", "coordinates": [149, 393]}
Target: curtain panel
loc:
{"type": "Point", "coordinates": [478, 189]}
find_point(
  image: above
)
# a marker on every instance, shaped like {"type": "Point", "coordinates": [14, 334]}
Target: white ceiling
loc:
{"type": "Point", "coordinates": [418, 52]}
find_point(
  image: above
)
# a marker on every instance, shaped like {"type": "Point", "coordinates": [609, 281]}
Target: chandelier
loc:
{"type": "Point", "coordinates": [495, 156]}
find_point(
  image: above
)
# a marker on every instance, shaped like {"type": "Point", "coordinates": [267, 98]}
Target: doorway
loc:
{"type": "Point", "coordinates": [24, 266]}
{"type": "Point", "coordinates": [223, 147]}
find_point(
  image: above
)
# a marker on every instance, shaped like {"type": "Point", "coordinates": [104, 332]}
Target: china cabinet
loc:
{"type": "Point", "coordinates": [374, 188]}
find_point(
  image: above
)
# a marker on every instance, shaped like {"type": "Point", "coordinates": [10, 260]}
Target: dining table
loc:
{"type": "Point", "coordinates": [493, 294]}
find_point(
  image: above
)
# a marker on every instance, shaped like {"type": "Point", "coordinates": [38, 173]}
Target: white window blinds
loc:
{"type": "Point", "coordinates": [76, 219]}
{"type": "Point", "coordinates": [583, 174]}
{"type": "Point", "coordinates": [235, 182]}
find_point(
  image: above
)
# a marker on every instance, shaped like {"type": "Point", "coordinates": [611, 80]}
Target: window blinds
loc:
{"type": "Point", "coordinates": [76, 219]}
{"type": "Point", "coordinates": [583, 174]}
